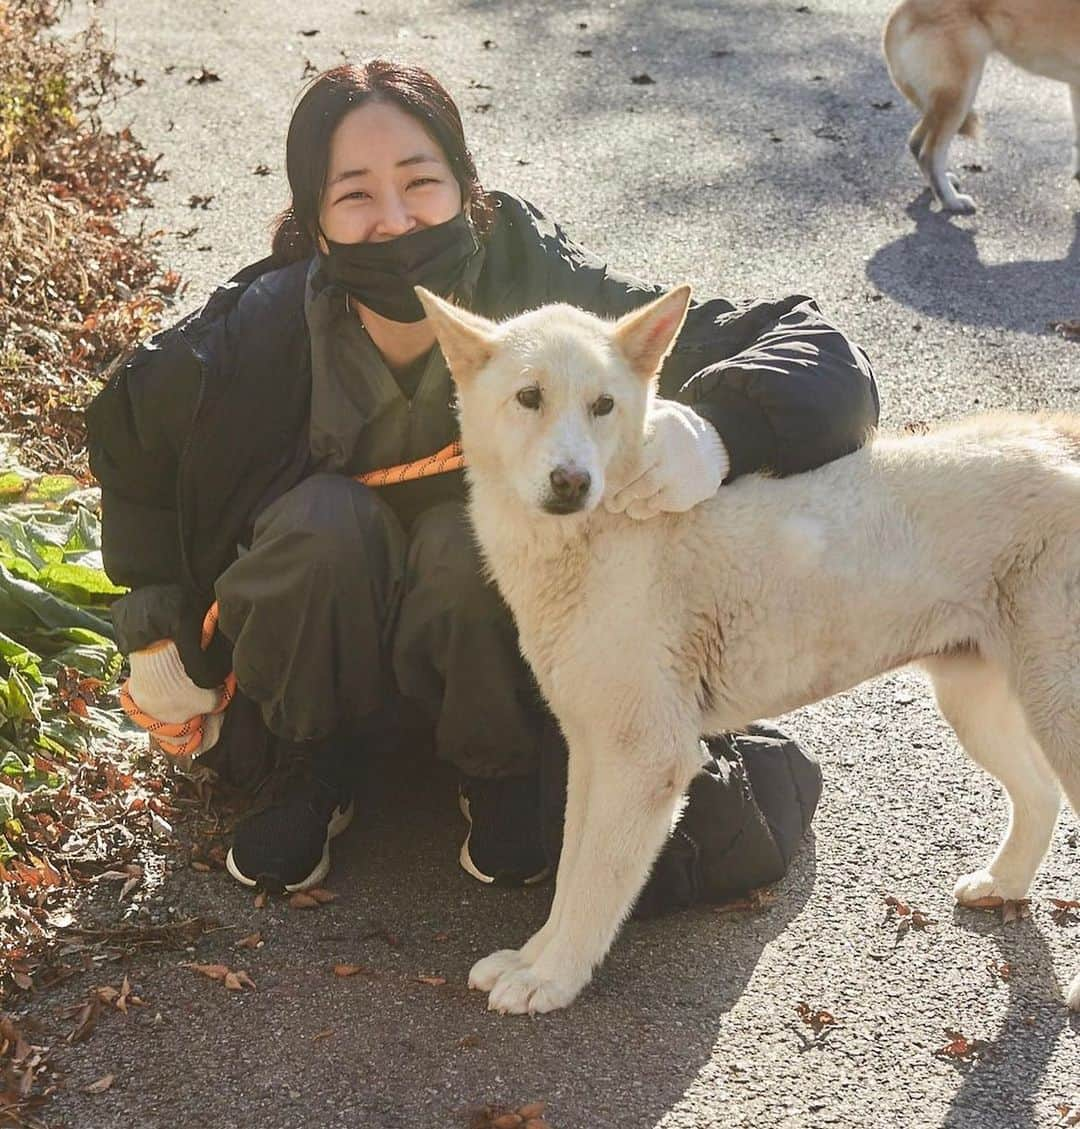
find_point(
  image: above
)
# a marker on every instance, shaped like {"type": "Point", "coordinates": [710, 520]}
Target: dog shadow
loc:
{"type": "Point", "coordinates": [991, 1092]}
{"type": "Point", "coordinates": [640, 1033]}
{"type": "Point", "coordinates": [937, 270]}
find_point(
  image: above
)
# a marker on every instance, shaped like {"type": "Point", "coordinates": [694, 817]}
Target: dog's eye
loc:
{"type": "Point", "coordinates": [529, 398]}
{"type": "Point", "coordinates": [602, 405]}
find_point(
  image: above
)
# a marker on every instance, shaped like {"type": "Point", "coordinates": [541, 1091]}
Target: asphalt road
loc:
{"type": "Point", "coordinates": [767, 156]}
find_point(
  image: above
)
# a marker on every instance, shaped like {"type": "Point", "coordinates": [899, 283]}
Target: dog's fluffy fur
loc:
{"type": "Point", "coordinates": [936, 51]}
{"type": "Point", "coordinates": [959, 550]}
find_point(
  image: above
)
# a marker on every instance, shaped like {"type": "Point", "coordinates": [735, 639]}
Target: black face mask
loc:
{"type": "Point", "coordinates": [382, 275]}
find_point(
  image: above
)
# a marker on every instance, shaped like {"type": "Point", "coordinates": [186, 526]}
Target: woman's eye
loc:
{"type": "Point", "coordinates": [602, 405]}
{"type": "Point", "coordinates": [357, 195]}
{"type": "Point", "coordinates": [422, 181]}
{"type": "Point", "coordinates": [529, 398]}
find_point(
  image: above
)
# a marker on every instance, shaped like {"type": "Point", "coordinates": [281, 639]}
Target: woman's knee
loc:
{"type": "Point", "coordinates": [330, 513]}
{"type": "Point", "coordinates": [443, 555]}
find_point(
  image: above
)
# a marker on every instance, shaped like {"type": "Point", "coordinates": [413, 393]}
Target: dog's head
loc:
{"type": "Point", "coordinates": [553, 402]}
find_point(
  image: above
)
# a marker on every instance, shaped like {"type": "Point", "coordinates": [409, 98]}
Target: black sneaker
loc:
{"type": "Point", "coordinates": [504, 845]}
{"type": "Point", "coordinates": [285, 846]}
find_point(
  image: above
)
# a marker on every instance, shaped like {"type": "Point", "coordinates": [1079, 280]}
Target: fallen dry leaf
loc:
{"type": "Point", "coordinates": [1063, 910]}
{"type": "Point", "coordinates": [101, 1085]}
{"type": "Point", "coordinates": [235, 981]}
{"type": "Point", "coordinates": [1015, 910]}
{"type": "Point", "coordinates": [344, 970]}
{"type": "Point", "coordinates": [261, 898]}
{"type": "Point", "coordinates": [960, 1046]}
{"type": "Point", "coordinates": [325, 1033]}
{"type": "Point", "coordinates": [300, 900]}
{"type": "Point", "coordinates": [1000, 969]}
{"type": "Point", "coordinates": [435, 981]}
{"type": "Point", "coordinates": [322, 896]}
{"type": "Point", "coordinates": [818, 1018]}
{"type": "Point", "coordinates": [251, 941]}
{"type": "Point", "coordinates": [213, 971]}
{"type": "Point", "coordinates": [85, 1020]}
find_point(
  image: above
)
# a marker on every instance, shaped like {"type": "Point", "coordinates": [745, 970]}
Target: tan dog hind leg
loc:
{"type": "Point", "coordinates": [1074, 91]}
{"type": "Point", "coordinates": [975, 698]}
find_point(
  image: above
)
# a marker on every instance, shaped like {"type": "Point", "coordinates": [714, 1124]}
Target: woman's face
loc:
{"type": "Point", "coordinates": [386, 177]}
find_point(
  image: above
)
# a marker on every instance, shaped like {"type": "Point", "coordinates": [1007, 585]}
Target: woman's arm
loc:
{"type": "Point", "coordinates": [136, 427]}
{"type": "Point", "coordinates": [784, 388]}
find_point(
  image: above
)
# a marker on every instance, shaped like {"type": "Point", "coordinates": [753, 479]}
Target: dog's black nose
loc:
{"type": "Point", "coordinates": [570, 486]}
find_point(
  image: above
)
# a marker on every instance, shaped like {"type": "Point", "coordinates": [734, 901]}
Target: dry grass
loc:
{"type": "Point", "coordinates": [76, 292]}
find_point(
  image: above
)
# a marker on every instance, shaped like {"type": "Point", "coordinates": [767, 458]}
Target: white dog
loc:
{"type": "Point", "coordinates": [959, 550]}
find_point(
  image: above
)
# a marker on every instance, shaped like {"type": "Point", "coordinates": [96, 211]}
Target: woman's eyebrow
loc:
{"type": "Point", "coordinates": [415, 159]}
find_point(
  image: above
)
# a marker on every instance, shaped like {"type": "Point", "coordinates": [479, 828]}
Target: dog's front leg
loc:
{"type": "Point", "coordinates": [487, 971]}
{"type": "Point", "coordinates": [632, 794]}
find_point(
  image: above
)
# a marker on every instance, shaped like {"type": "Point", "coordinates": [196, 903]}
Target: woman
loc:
{"type": "Point", "coordinates": [227, 447]}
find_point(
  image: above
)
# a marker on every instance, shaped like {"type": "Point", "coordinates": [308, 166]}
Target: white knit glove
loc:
{"type": "Point", "coordinates": [683, 463]}
{"type": "Point", "coordinates": [161, 688]}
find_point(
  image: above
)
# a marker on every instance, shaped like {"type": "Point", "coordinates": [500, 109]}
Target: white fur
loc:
{"type": "Point", "coordinates": [959, 549]}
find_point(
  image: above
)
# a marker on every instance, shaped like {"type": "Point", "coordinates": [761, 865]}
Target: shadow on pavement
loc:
{"type": "Point", "coordinates": [937, 269]}
{"type": "Point", "coordinates": [999, 1086]}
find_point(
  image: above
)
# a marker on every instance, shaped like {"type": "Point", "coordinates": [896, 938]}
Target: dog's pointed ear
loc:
{"type": "Point", "coordinates": [466, 338]}
{"type": "Point", "coordinates": [645, 336]}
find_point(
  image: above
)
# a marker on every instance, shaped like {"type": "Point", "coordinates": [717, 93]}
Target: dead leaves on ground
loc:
{"type": "Point", "coordinates": [234, 981]}
{"type": "Point", "coordinates": [311, 899]}
{"type": "Point", "coordinates": [1066, 911]}
{"type": "Point", "coordinates": [528, 1116]}
{"type": "Point", "coordinates": [26, 1077]}
{"type": "Point", "coordinates": [960, 1047]}
{"type": "Point", "coordinates": [820, 1022]}
{"type": "Point", "coordinates": [757, 899]}
{"type": "Point", "coordinates": [905, 916]}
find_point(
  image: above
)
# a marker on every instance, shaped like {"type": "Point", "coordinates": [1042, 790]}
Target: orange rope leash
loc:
{"type": "Point", "coordinates": [183, 737]}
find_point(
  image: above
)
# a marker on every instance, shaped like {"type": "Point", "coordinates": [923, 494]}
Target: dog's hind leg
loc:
{"type": "Point", "coordinates": [1049, 688]}
{"type": "Point", "coordinates": [976, 699]}
{"type": "Point", "coordinates": [632, 796]}
{"type": "Point", "coordinates": [938, 69]}
{"type": "Point", "coordinates": [1074, 91]}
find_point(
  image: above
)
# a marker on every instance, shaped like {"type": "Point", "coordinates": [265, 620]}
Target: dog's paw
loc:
{"type": "Point", "coordinates": [486, 972]}
{"type": "Point", "coordinates": [523, 990]}
{"type": "Point", "coordinates": [1072, 996]}
{"type": "Point", "coordinates": [960, 205]}
{"type": "Point", "coordinates": [980, 889]}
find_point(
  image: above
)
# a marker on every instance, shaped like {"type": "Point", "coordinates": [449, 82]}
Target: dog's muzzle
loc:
{"type": "Point", "coordinates": [569, 490]}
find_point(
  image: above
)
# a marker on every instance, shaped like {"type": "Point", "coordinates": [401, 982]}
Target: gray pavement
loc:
{"type": "Point", "coordinates": [763, 169]}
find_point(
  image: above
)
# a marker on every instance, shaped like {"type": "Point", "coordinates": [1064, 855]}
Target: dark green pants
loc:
{"type": "Point", "coordinates": [335, 607]}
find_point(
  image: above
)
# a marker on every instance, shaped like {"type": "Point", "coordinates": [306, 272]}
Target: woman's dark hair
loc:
{"type": "Point", "coordinates": [327, 99]}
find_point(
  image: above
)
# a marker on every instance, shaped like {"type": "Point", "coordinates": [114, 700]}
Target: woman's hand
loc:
{"type": "Point", "coordinates": [683, 463]}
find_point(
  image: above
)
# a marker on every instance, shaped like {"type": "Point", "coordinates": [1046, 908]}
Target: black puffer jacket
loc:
{"type": "Point", "coordinates": [208, 421]}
